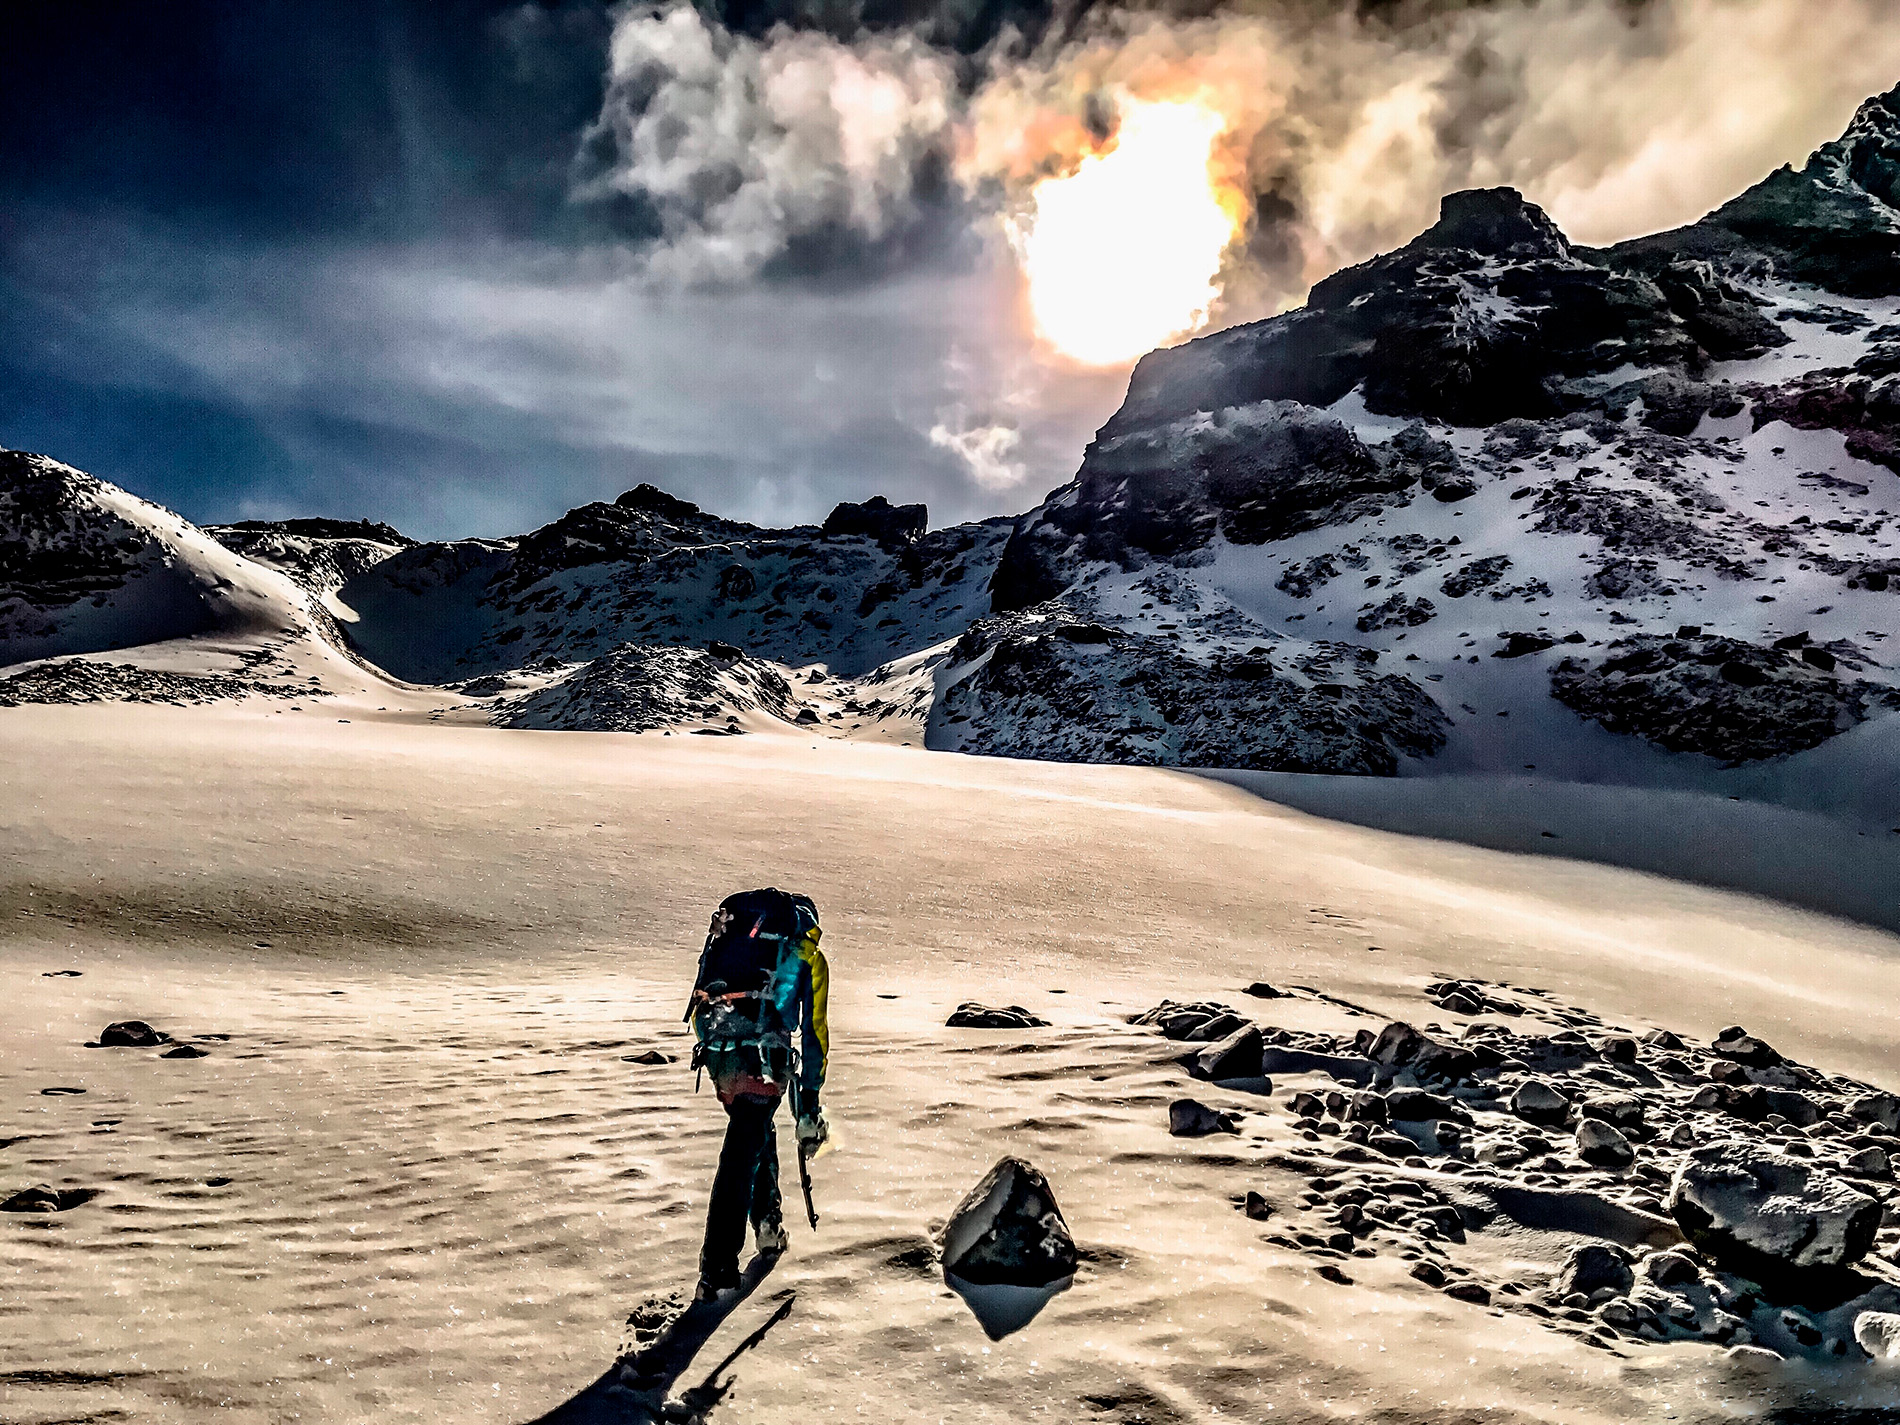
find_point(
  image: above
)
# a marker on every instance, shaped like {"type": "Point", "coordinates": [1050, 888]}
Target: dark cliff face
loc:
{"type": "Point", "coordinates": [1483, 317]}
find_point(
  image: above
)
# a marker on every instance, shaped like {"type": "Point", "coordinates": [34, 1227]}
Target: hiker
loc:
{"type": "Point", "coordinates": [762, 986]}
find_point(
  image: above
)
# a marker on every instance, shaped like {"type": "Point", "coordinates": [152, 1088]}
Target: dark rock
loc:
{"type": "Point", "coordinates": [1444, 1063]}
{"type": "Point", "coordinates": [1618, 1049]}
{"type": "Point", "coordinates": [1257, 1207]}
{"type": "Point", "coordinates": [1219, 1027]}
{"type": "Point", "coordinates": [1619, 1110]}
{"type": "Point", "coordinates": [1189, 1118]}
{"type": "Point", "coordinates": [1235, 1057]}
{"type": "Point", "coordinates": [877, 518]}
{"type": "Point", "coordinates": [1602, 1145]}
{"type": "Point", "coordinates": [1535, 1101]}
{"type": "Point", "coordinates": [1473, 1292]}
{"type": "Point", "coordinates": [1881, 1108]}
{"type": "Point", "coordinates": [1768, 1216]}
{"type": "Point", "coordinates": [1517, 645]}
{"type": "Point", "coordinates": [132, 1034]}
{"type": "Point", "coordinates": [42, 1198]}
{"type": "Point", "coordinates": [1428, 1272]}
{"type": "Point", "coordinates": [1307, 1105]}
{"type": "Point", "coordinates": [1594, 1267]}
{"type": "Point", "coordinates": [1418, 1106]}
{"type": "Point", "coordinates": [1009, 1231]}
{"type": "Point", "coordinates": [1260, 989]}
{"type": "Point", "coordinates": [1396, 1045]}
{"type": "Point", "coordinates": [1742, 1047]}
{"type": "Point", "coordinates": [1669, 1268]}
{"type": "Point", "coordinates": [183, 1051]}
{"type": "Point", "coordinates": [1367, 1106]}
{"type": "Point", "coordinates": [648, 1057]}
{"type": "Point", "coordinates": [971, 1015]}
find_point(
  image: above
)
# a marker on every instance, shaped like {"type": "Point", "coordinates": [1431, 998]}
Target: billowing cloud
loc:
{"type": "Point", "coordinates": [1342, 131]}
{"type": "Point", "coordinates": [738, 147]}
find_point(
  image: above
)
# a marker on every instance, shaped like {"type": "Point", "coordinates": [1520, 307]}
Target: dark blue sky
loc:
{"type": "Point", "coordinates": [275, 258]}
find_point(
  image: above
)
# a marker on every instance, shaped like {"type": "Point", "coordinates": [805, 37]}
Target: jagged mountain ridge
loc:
{"type": "Point", "coordinates": [1487, 500]}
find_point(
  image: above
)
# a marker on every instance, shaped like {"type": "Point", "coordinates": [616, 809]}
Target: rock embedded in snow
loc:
{"type": "Point", "coordinates": [1755, 1210]}
{"type": "Point", "coordinates": [1009, 1231]}
{"type": "Point", "coordinates": [1881, 1108]}
{"type": "Point", "coordinates": [971, 1015]}
{"type": "Point", "coordinates": [1878, 1333]}
{"type": "Point", "coordinates": [132, 1034]}
{"type": "Point", "coordinates": [1739, 1045]}
{"type": "Point", "coordinates": [1238, 1056]}
{"type": "Point", "coordinates": [1594, 1267]}
{"type": "Point", "coordinates": [1190, 1118]}
{"type": "Point", "coordinates": [1535, 1101]}
{"type": "Point", "coordinates": [1601, 1145]}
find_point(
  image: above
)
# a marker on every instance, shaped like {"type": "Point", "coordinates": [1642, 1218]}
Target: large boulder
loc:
{"type": "Point", "coordinates": [1238, 1056]}
{"type": "Point", "coordinates": [1009, 1231]}
{"type": "Point", "coordinates": [1767, 1215]}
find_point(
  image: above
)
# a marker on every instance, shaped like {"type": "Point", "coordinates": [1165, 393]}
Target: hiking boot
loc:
{"type": "Point", "coordinates": [772, 1237]}
{"type": "Point", "coordinates": [709, 1290]}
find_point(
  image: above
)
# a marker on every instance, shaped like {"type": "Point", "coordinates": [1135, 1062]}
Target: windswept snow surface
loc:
{"type": "Point", "coordinates": [419, 1176]}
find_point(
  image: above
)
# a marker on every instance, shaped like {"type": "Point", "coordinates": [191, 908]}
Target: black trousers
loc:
{"type": "Point", "coordinates": [746, 1185]}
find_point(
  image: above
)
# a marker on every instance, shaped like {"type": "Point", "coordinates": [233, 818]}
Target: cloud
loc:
{"type": "Point", "coordinates": [739, 147]}
{"type": "Point", "coordinates": [985, 449]}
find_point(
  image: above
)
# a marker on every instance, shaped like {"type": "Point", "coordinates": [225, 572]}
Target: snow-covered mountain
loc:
{"type": "Point", "coordinates": [1486, 502]}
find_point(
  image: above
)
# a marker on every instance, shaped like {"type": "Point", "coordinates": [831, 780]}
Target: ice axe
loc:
{"type": "Point", "coordinates": [804, 1154]}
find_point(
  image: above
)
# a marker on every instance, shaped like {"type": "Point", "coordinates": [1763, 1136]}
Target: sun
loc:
{"type": "Point", "coordinates": [1124, 254]}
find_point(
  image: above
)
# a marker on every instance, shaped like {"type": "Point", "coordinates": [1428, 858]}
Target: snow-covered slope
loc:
{"type": "Point", "coordinates": [85, 566]}
{"type": "Point", "coordinates": [322, 555]}
{"type": "Point", "coordinates": [650, 569]}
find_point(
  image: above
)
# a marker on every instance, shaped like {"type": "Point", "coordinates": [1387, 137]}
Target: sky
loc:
{"type": "Point", "coordinates": [460, 266]}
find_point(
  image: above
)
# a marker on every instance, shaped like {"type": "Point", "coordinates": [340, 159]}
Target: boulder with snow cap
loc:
{"type": "Point", "coordinates": [1765, 1214]}
{"type": "Point", "coordinates": [1536, 1101]}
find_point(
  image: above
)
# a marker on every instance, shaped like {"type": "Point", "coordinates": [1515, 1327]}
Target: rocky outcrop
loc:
{"type": "Point", "coordinates": [1834, 222]}
{"type": "Point", "coordinates": [320, 554]}
{"type": "Point", "coordinates": [1162, 490]}
{"type": "Point", "coordinates": [1485, 316]}
{"type": "Point", "coordinates": [877, 519]}
{"type": "Point", "coordinates": [1009, 1231]}
{"type": "Point", "coordinates": [1045, 685]}
{"type": "Point", "coordinates": [1721, 697]}
{"type": "Point", "coordinates": [638, 689]}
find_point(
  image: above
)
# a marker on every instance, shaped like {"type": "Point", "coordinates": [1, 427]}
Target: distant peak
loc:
{"type": "Point", "coordinates": [651, 499]}
{"type": "Point", "coordinates": [1496, 221]}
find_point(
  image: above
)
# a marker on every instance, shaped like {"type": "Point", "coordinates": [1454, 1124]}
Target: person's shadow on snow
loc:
{"type": "Point", "coordinates": [634, 1390]}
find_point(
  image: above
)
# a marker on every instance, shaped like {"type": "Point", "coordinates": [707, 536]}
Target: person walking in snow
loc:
{"type": "Point", "coordinates": [758, 1011]}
